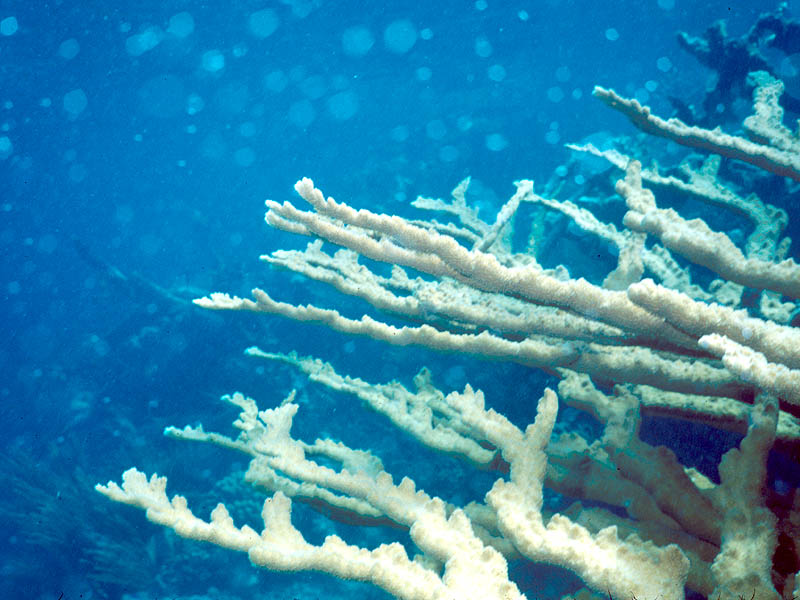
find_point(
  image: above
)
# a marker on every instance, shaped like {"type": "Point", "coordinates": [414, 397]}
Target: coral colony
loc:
{"type": "Point", "coordinates": [649, 340]}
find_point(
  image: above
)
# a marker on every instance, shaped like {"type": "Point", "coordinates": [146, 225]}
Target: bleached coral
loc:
{"type": "Point", "coordinates": [672, 348]}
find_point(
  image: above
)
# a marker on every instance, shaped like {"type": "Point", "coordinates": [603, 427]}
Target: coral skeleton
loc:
{"type": "Point", "coordinates": [648, 340]}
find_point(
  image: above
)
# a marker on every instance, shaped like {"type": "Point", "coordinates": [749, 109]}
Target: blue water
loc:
{"type": "Point", "coordinates": [138, 141]}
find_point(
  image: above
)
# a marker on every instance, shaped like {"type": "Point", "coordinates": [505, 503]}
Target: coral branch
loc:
{"type": "Point", "coordinates": [782, 157]}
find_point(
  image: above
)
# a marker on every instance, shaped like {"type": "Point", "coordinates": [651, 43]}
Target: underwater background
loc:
{"type": "Point", "coordinates": [138, 142]}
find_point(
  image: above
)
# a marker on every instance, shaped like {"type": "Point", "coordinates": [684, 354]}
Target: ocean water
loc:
{"type": "Point", "coordinates": [138, 142]}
